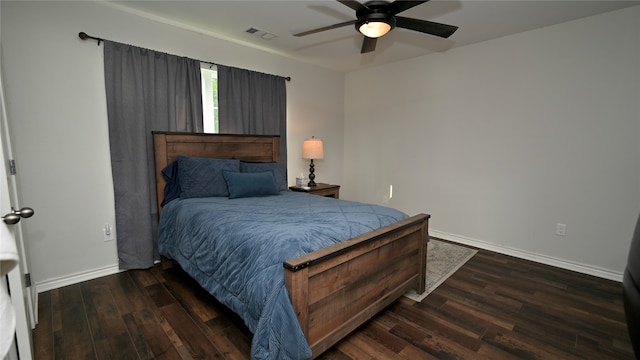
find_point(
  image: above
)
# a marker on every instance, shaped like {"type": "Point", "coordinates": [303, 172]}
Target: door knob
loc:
{"type": "Point", "coordinates": [14, 216]}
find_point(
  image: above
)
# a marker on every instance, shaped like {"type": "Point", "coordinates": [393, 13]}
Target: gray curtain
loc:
{"type": "Point", "coordinates": [252, 103]}
{"type": "Point", "coordinates": [146, 91]}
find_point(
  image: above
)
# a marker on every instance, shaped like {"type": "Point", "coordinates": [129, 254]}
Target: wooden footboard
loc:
{"type": "Point", "coordinates": [336, 289]}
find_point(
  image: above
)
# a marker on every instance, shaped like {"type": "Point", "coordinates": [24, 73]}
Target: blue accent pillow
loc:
{"type": "Point", "coordinates": [202, 177]}
{"type": "Point", "coordinates": [250, 184]}
{"type": "Point", "coordinates": [279, 171]}
{"type": "Point", "coordinates": [172, 187]}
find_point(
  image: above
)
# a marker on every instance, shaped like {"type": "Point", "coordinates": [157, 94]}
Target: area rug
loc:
{"type": "Point", "coordinates": [443, 259]}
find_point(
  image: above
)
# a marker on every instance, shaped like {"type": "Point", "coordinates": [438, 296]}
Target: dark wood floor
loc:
{"type": "Point", "coordinates": [494, 307]}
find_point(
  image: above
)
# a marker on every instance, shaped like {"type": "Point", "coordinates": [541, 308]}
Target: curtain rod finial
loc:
{"type": "Point", "coordinates": [83, 35]}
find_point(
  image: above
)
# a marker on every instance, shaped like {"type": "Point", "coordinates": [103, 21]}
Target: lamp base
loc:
{"type": "Point", "coordinates": [311, 174]}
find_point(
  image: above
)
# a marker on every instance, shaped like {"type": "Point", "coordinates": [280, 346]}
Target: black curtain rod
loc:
{"type": "Point", "coordinates": [84, 36]}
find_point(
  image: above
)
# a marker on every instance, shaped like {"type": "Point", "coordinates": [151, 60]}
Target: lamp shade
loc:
{"type": "Point", "coordinates": [312, 149]}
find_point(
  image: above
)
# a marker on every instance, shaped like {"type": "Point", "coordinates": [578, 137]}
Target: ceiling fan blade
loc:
{"type": "Point", "coordinates": [368, 45]}
{"type": "Point", "coordinates": [399, 6]}
{"type": "Point", "coordinates": [427, 27]}
{"type": "Point", "coordinates": [353, 4]}
{"type": "Point", "coordinates": [334, 26]}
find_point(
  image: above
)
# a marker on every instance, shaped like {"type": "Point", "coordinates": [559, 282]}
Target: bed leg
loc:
{"type": "Point", "coordinates": [299, 281]}
{"type": "Point", "coordinates": [167, 263]}
{"type": "Point", "coordinates": [422, 271]}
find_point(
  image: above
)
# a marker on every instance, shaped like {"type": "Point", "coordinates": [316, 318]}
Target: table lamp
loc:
{"type": "Point", "coordinates": [312, 149]}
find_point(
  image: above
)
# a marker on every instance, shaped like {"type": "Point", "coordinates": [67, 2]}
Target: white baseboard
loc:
{"type": "Point", "coordinates": [522, 254]}
{"type": "Point", "coordinates": [75, 278]}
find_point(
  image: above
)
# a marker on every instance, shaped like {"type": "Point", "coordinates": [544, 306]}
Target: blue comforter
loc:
{"type": "Point", "coordinates": [235, 249]}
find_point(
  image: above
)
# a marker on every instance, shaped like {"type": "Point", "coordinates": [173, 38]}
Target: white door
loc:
{"type": "Point", "coordinates": [22, 296]}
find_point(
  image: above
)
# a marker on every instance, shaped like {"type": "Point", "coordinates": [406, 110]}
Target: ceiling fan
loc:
{"type": "Point", "coordinates": [376, 18]}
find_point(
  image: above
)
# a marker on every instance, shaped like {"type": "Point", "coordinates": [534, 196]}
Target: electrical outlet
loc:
{"type": "Point", "coordinates": [561, 229]}
{"type": "Point", "coordinates": [107, 232]}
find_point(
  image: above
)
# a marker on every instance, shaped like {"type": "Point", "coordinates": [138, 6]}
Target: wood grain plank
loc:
{"type": "Point", "coordinates": [125, 293]}
{"type": "Point", "coordinates": [108, 330]}
{"type": "Point", "coordinates": [75, 341]}
{"type": "Point", "coordinates": [148, 336]}
{"type": "Point", "coordinates": [190, 336]}
{"type": "Point", "coordinates": [43, 333]}
{"type": "Point", "coordinates": [231, 340]}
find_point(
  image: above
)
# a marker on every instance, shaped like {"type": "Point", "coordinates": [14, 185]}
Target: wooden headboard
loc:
{"type": "Point", "coordinates": [168, 145]}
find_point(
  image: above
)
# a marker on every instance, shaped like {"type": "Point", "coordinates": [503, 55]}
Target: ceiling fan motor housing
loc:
{"type": "Point", "coordinates": [375, 11]}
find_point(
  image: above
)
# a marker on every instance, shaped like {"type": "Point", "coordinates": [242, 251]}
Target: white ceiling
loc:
{"type": "Point", "coordinates": [339, 49]}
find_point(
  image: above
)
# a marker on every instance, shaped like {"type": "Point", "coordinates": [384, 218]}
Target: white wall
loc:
{"type": "Point", "coordinates": [56, 107]}
{"type": "Point", "coordinates": [501, 140]}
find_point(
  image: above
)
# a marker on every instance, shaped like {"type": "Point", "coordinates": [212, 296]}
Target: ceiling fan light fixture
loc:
{"type": "Point", "coordinates": [375, 25]}
{"type": "Point", "coordinates": [374, 29]}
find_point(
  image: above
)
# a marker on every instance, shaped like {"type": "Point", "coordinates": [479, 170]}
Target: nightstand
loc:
{"type": "Point", "coordinates": [321, 189]}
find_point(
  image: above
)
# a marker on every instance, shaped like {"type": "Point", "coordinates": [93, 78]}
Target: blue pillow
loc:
{"type": "Point", "coordinates": [172, 187]}
{"type": "Point", "coordinates": [202, 177]}
{"type": "Point", "coordinates": [250, 184]}
{"type": "Point", "coordinates": [279, 171]}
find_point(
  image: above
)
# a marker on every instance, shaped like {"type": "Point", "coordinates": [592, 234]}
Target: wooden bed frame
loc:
{"type": "Point", "coordinates": [335, 289]}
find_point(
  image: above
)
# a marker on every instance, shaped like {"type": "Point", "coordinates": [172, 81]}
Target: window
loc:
{"type": "Point", "coordinates": [209, 77]}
